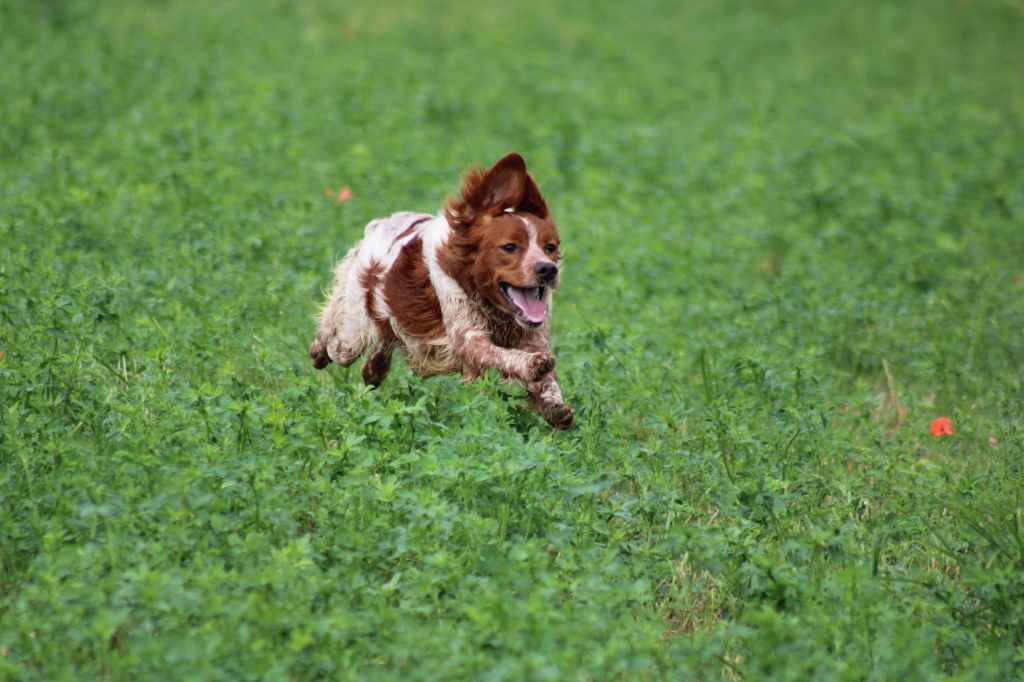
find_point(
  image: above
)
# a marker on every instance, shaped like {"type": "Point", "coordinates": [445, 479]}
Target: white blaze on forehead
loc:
{"type": "Point", "coordinates": [533, 251]}
{"type": "Point", "coordinates": [529, 227]}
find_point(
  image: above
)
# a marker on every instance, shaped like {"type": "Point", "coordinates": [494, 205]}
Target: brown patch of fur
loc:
{"type": "Point", "coordinates": [368, 280]}
{"type": "Point", "coordinates": [385, 332]}
{"type": "Point", "coordinates": [410, 295]}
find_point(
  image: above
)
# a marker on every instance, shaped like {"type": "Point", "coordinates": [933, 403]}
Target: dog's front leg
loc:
{"type": "Point", "coordinates": [547, 396]}
{"type": "Point", "coordinates": [478, 354]}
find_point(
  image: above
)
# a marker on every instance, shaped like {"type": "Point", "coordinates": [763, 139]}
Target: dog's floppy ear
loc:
{"type": "Point", "coordinates": [510, 186]}
{"type": "Point", "coordinates": [532, 201]}
{"type": "Point", "coordinates": [506, 185]}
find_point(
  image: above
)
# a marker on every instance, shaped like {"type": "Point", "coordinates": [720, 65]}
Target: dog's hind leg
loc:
{"type": "Point", "coordinates": [355, 330]}
{"type": "Point", "coordinates": [345, 328]}
{"type": "Point", "coordinates": [318, 354]}
{"type": "Point", "coordinates": [342, 349]}
{"type": "Point", "coordinates": [377, 365]}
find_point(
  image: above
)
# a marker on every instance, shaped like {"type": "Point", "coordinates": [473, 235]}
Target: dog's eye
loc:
{"type": "Point", "coordinates": [510, 247]}
{"type": "Point", "coordinates": [551, 248]}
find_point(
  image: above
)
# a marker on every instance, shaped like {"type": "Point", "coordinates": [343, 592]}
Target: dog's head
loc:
{"type": "Point", "coordinates": [504, 247]}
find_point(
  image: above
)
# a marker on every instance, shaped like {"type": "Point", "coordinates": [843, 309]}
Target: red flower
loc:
{"type": "Point", "coordinates": [340, 195]}
{"type": "Point", "coordinates": [943, 426]}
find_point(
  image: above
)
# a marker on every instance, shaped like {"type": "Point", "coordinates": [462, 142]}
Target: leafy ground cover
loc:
{"type": "Point", "coordinates": [794, 240]}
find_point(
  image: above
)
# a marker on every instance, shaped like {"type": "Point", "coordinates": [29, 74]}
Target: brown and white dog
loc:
{"type": "Point", "coordinates": [461, 292]}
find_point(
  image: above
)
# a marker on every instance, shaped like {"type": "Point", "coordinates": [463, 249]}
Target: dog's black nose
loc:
{"type": "Point", "coordinates": [547, 271]}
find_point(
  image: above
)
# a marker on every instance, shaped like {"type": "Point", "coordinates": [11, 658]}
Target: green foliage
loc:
{"type": "Point", "coordinates": [793, 239]}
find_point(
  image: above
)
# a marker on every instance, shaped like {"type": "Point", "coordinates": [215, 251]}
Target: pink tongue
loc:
{"type": "Point", "coordinates": [526, 300]}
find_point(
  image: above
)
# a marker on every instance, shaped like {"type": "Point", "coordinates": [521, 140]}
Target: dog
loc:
{"type": "Point", "coordinates": [465, 291]}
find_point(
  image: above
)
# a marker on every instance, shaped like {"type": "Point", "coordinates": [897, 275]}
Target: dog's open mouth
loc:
{"type": "Point", "coordinates": [528, 302]}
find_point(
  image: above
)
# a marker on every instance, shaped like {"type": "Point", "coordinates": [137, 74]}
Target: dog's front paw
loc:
{"type": "Point", "coordinates": [539, 365]}
{"type": "Point", "coordinates": [559, 415]}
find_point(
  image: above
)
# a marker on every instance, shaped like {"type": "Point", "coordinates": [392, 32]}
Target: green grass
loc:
{"type": "Point", "coordinates": [794, 238]}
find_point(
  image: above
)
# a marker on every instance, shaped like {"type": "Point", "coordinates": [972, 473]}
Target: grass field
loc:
{"type": "Point", "coordinates": [794, 237]}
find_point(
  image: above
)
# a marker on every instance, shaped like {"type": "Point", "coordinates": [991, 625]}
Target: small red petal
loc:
{"type": "Point", "coordinates": [344, 194]}
{"type": "Point", "coordinates": [943, 426]}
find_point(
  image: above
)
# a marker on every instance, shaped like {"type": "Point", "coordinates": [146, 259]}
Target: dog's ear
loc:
{"type": "Point", "coordinates": [506, 185]}
{"type": "Point", "coordinates": [532, 201]}
{"type": "Point", "coordinates": [506, 182]}
{"type": "Point", "coordinates": [510, 186]}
